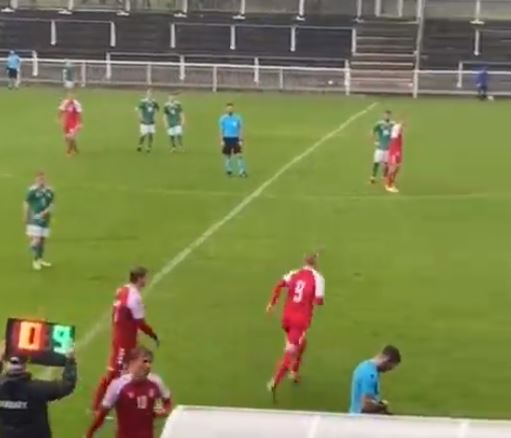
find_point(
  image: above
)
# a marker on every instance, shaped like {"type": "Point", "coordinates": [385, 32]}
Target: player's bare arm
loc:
{"type": "Point", "coordinates": [275, 295]}
{"type": "Point", "coordinates": [164, 410]}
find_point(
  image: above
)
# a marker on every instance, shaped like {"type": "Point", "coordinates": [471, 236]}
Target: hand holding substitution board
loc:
{"type": "Point", "coordinates": [41, 342]}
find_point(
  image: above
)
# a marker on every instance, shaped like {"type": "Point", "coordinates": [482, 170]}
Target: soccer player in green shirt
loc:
{"type": "Point", "coordinates": [381, 132]}
{"type": "Point", "coordinates": [174, 120]}
{"type": "Point", "coordinates": [147, 109]}
{"type": "Point", "coordinates": [68, 75]}
{"type": "Point", "coordinates": [37, 209]}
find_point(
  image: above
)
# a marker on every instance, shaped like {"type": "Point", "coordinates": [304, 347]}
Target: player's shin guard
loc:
{"type": "Point", "coordinates": [228, 165]}
{"type": "Point", "coordinates": [150, 141]}
{"type": "Point", "coordinates": [298, 361]}
{"type": "Point", "coordinates": [375, 169]}
{"type": "Point", "coordinates": [241, 166]}
{"type": "Point", "coordinates": [101, 390]}
{"type": "Point", "coordinates": [283, 368]}
{"type": "Point", "coordinates": [34, 247]}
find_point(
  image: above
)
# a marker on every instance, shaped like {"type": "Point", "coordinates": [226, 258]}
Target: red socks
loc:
{"type": "Point", "coordinates": [298, 360]}
{"type": "Point", "coordinates": [283, 368]}
{"type": "Point", "coordinates": [101, 390]}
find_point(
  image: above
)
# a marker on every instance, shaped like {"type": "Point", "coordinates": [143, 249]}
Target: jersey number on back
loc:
{"type": "Point", "coordinates": [298, 291]}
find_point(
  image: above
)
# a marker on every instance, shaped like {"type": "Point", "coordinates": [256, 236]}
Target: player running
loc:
{"type": "Point", "coordinates": [135, 397]}
{"type": "Point", "coordinates": [395, 157]}
{"type": "Point", "coordinates": [37, 210]}
{"type": "Point", "coordinates": [127, 319]}
{"type": "Point", "coordinates": [305, 289]}
{"type": "Point", "coordinates": [70, 114]}
{"type": "Point", "coordinates": [381, 133]}
{"type": "Point", "coordinates": [147, 109]}
{"type": "Point", "coordinates": [231, 139]}
{"type": "Point", "coordinates": [174, 120]}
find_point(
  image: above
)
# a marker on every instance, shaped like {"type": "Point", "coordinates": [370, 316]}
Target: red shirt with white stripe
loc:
{"type": "Point", "coordinates": [134, 402]}
{"type": "Point", "coordinates": [396, 140]}
{"type": "Point", "coordinates": [128, 312]}
{"type": "Point", "coordinates": [305, 289]}
{"type": "Point", "coordinates": [71, 113]}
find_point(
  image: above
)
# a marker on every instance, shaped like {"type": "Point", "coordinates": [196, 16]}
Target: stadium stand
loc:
{"type": "Point", "coordinates": [92, 35]}
{"type": "Point", "coordinates": [445, 43]}
{"type": "Point", "coordinates": [495, 41]}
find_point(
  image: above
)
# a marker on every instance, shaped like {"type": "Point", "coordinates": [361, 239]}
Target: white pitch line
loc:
{"type": "Point", "coordinates": [174, 262]}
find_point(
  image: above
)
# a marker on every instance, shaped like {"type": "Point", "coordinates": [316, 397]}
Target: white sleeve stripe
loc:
{"type": "Point", "coordinates": [164, 391]}
{"type": "Point", "coordinates": [134, 303]}
{"type": "Point", "coordinates": [288, 276]}
{"type": "Point", "coordinates": [320, 285]}
{"type": "Point", "coordinates": [113, 391]}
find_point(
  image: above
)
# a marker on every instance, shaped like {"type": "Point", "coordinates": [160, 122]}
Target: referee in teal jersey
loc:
{"type": "Point", "coordinates": [231, 137]}
{"type": "Point", "coordinates": [365, 386]}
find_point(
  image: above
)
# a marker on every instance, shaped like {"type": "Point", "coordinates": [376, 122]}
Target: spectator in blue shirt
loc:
{"type": "Point", "coordinates": [13, 67]}
{"type": "Point", "coordinates": [482, 83]}
{"type": "Point", "coordinates": [231, 137]}
{"type": "Point", "coordinates": [365, 385]}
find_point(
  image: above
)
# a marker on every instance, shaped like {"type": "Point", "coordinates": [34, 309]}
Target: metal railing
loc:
{"type": "Point", "coordinates": [299, 8]}
{"type": "Point", "coordinates": [215, 77]}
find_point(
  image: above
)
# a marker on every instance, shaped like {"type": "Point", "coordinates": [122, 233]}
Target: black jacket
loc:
{"type": "Point", "coordinates": [23, 402]}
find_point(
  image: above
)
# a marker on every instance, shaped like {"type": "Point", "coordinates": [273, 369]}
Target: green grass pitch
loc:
{"type": "Point", "coordinates": [428, 269]}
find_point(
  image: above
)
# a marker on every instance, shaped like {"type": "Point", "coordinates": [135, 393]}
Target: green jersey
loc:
{"type": "Point", "coordinates": [382, 130]}
{"type": "Point", "coordinates": [38, 200]}
{"type": "Point", "coordinates": [147, 109]}
{"type": "Point", "coordinates": [174, 113]}
{"type": "Point", "coordinates": [68, 73]}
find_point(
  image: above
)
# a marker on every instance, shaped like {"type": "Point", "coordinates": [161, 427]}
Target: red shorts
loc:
{"type": "Point", "coordinates": [395, 159]}
{"type": "Point", "coordinates": [71, 130]}
{"type": "Point", "coordinates": [118, 360]}
{"type": "Point", "coordinates": [295, 330]}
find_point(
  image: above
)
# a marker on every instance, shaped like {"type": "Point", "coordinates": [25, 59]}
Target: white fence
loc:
{"type": "Point", "coordinates": [217, 77]}
{"type": "Point", "coordinates": [203, 422]}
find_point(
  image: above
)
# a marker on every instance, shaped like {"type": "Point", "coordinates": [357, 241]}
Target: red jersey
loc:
{"type": "Point", "coordinates": [134, 403]}
{"type": "Point", "coordinates": [305, 288]}
{"type": "Point", "coordinates": [128, 312]}
{"type": "Point", "coordinates": [396, 140]}
{"type": "Point", "coordinates": [71, 113]}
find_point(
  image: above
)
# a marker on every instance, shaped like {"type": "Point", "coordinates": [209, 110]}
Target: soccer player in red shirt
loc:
{"type": "Point", "coordinates": [127, 319]}
{"type": "Point", "coordinates": [395, 157]}
{"type": "Point", "coordinates": [135, 397]}
{"type": "Point", "coordinates": [70, 115]}
{"type": "Point", "coordinates": [305, 290]}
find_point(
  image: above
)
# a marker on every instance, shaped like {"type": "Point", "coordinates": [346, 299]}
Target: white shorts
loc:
{"type": "Point", "coordinates": [37, 231]}
{"type": "Point", "coordinates": [381, 156]}
{"type": "Point", "coordinates": [147, 129]}
{"type": "Point", "coordinates": [175, 131]}
{"type": "Point", "coordinates": [69, 85]}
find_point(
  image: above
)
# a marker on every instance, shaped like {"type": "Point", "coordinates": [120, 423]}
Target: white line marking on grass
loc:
{"type": "Point", "coordinates": [313, 429]}
{"type": "Point", "coordinates": [174, 262]}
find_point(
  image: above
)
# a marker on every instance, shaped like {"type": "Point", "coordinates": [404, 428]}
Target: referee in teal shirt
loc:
{"type": "Point", "coordinates": [231, 137]}
{"type": "Point", "coordinates": [365, 386]}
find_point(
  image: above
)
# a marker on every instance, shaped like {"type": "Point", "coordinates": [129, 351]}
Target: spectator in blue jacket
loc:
{"type": "Point", "coordinates": [482, 83]}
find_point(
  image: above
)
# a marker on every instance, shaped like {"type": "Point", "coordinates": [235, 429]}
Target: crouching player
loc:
{"type": "Point", "coordinates": [70, 113]}
{"type": "Point", "coordinates": [306, 289]}
{"type": "Point", "coordinates": [395, 157]}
